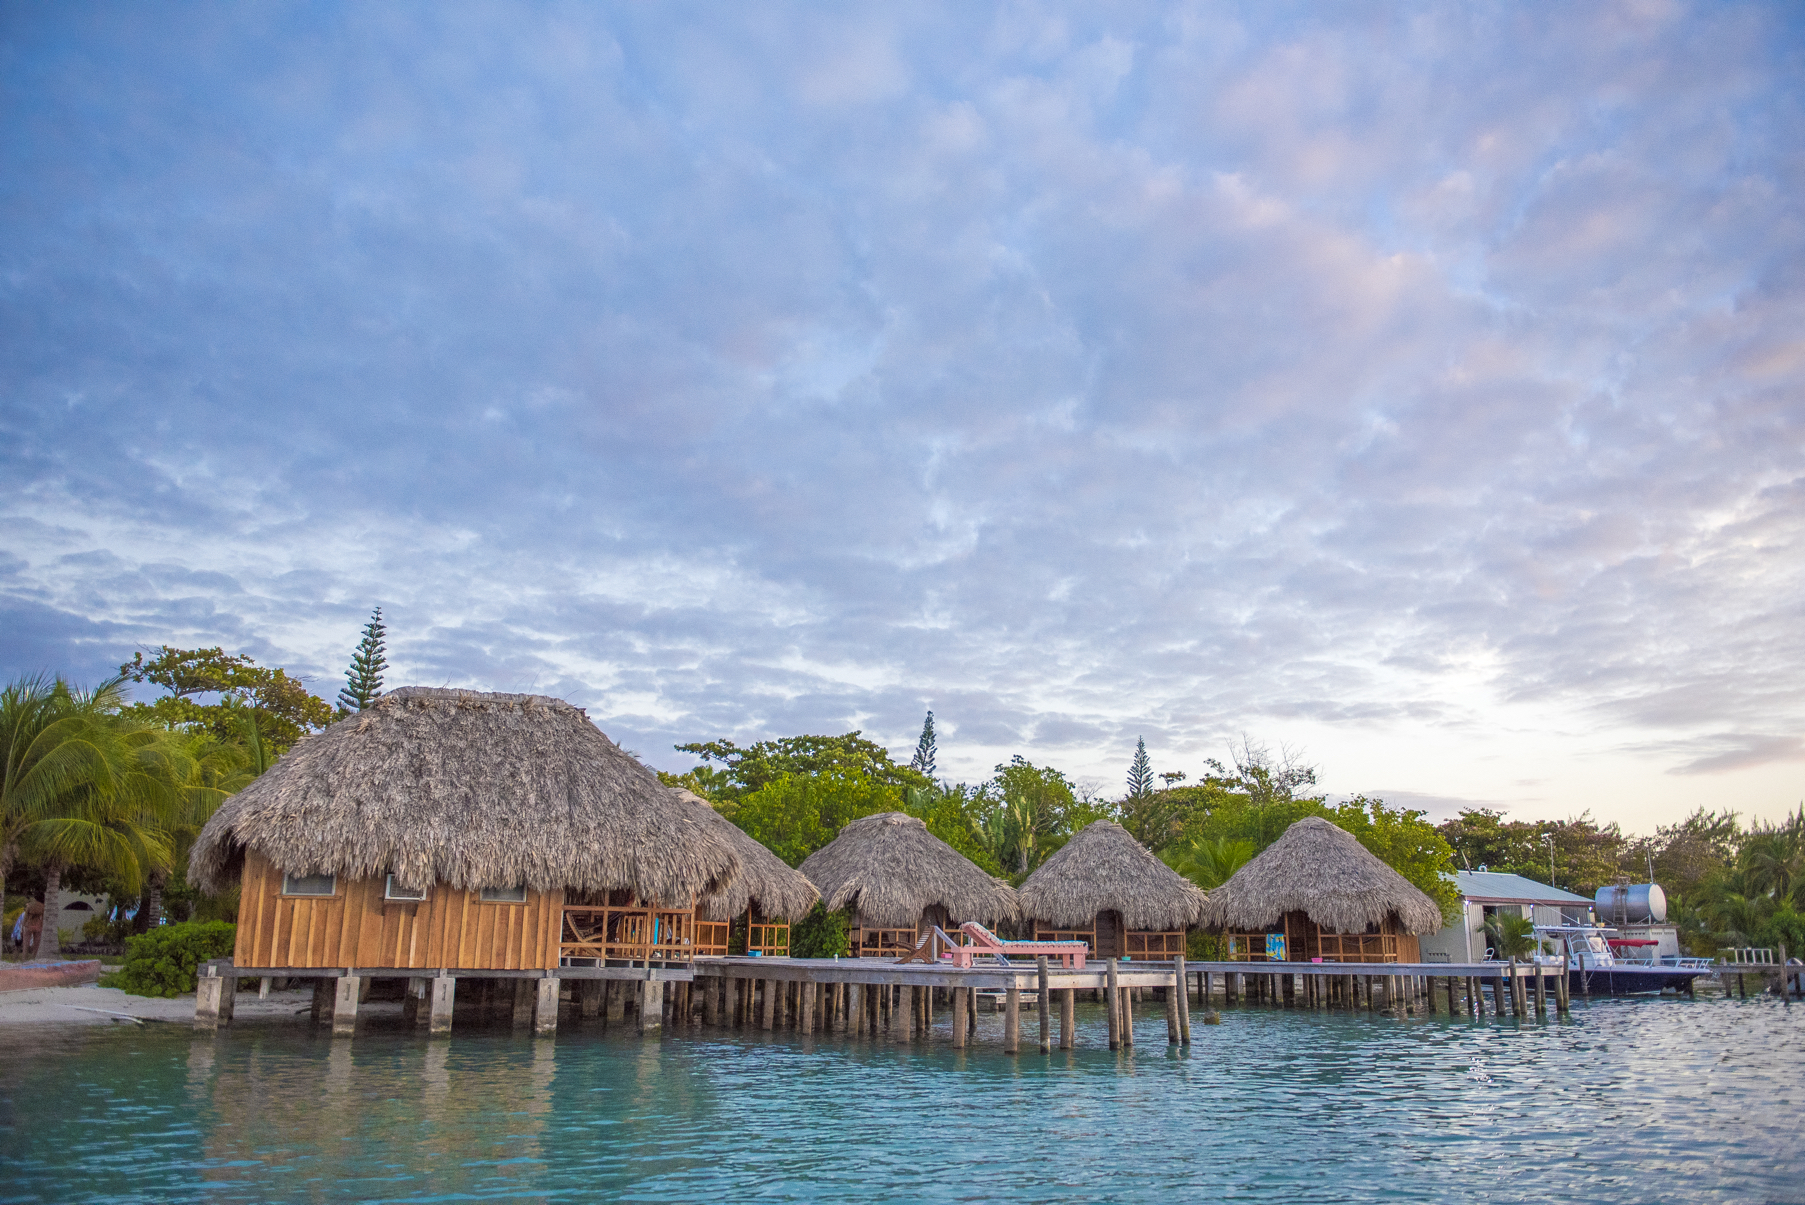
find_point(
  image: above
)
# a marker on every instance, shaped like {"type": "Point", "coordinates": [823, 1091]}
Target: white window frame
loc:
{"type": "Point", "coordinates": [288, 881]}
{"type": "Point", "coordinates": [502, 895]}
{"type": "Point", "coordinates": [397, 895]}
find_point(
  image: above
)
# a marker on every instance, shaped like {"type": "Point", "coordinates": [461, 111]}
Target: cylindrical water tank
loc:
{"type": "Point", "coordinates": [1628, 903]}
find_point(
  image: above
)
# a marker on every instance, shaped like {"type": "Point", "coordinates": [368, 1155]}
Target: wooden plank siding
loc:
{"type": "Point", "coordinates": [356, 927]}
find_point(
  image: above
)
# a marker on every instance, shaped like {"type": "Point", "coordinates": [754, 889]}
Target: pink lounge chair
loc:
{"type": "Point", "coordinates": [982, 943]}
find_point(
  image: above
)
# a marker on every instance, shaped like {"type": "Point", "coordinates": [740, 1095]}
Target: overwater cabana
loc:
{"type": "Point", "coordinates": [1107, 890]}
{"type": "Point", "coordinates": [901, 880]}
{"type": "Point", "coordinates": [444, 831]}
{"type": "Point", "coordinates": [1317, 893]}
{"type": "Point", "coordinates": [766, 893]}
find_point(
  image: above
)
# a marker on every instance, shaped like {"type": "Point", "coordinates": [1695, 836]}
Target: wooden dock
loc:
{"type": "Point", "coordinates": [877, 997]}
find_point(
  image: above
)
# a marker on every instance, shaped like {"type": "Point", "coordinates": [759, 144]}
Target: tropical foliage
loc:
{"type": "Point", "coordinates": [163, 962]}
{"type": "Point", "coordinates": [285, 711]}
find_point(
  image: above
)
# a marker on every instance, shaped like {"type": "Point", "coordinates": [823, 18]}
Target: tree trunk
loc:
{"type": "Point", "coordinates": [141, 922]}
{"type": "Point", "coordinates": [153, 895]}
{"type": "Point", "coordinates": [48, 945]}
{"type": "Point", "coordinates": [7, 854]}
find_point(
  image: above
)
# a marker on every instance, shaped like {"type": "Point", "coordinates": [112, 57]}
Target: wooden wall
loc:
{"type": "Point", "coordinates": [358, 928]}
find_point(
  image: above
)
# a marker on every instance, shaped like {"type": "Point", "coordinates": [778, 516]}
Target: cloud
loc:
{"type": "Point", "coordinates": [1079, 373]}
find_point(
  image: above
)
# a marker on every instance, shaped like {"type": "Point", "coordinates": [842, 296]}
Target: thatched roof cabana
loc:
{"type": "Point", "coordinates": [471, 790]}
{"type": "Point", "coordinates": [892, 871]}
{"type": "Point", "coordinates": [763, 878]}
{"type": "Point", "coordinates": [1103, 869]}
{"type": "Point", "coordinates": [1319, 869]}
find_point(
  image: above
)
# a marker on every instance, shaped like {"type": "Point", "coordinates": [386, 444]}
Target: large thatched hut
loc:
{"type": "Point", "coordinates": [1105, 889]}
{"type": "Point", "coordinates": [766, 893]}
{"type": "Point", "coordinates": [900, 880]}
{"type": "Point", "coordinates": [457, 830]}
{"type": "Point", "coordinates": [1316, 892]}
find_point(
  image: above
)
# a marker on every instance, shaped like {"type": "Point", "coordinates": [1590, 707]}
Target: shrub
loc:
{"type": "Point", "coordinates": [820, 934]}
{"type": "Point", "coordinates": [162, 962]}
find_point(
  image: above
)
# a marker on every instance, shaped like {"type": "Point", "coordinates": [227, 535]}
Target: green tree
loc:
{"type": "Point", "coordinates": [1510, 936]}
{"type": "Point", "coordinates": [45, 727]}
{"type": "Point", "coordinates": [1209, 863]}
{"type": "Point", "coordinates": [1140, 771]}
{"type": "Point", "coordinates": [952, 812]}
{"type": "Point", "coordinates": [284, 708]}
{"type": "Point", "coordinates": [363, 680]}
{"type": "Point", "coordinates": [793, 815]}
{"type": "Point", "coordinates": [112, 813]}
{"type": "Point", "coordinates": [750, 768]}
{"type": "Point", "coordinates": [923, 761]}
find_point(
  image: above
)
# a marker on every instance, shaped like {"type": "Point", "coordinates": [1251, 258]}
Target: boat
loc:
{"type": "Point", "coordinates": [1602, 962]}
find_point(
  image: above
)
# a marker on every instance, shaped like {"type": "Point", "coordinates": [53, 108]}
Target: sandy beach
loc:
{"type": "Point", "coordinates": [86, 1004]}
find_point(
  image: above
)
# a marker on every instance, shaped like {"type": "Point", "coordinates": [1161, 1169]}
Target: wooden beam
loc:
{"type": "Point", "coordinates": [1012, 1020]}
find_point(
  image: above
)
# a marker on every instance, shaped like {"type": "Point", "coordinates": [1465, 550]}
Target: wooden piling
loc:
{"type": "Point", "coordinates": [1044, 1006]}
{"type": "Point", "coordinates": [959, 994]}
{"type": "Point", "coordinates": [1111, 1004]}
{"type": "Point", "coordinates": [1068, 1017]}
{"type": "Point", "coordinates": [1127, 1000]}
{"type": "Point", "coordinates": [1541, 994]}
{"type": "Point", "coordinates": [902, 1022]}
{"type": "Point", "coordinates": [1172, 1016]}
{"type": "Point", "coordinates": [1012, 1019]}
{"type": "Point", "coordinates": [1184, 1002]}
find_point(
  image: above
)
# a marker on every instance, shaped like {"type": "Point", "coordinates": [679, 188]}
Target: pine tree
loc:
{"type": "Point", "coordinates": [363, 681]}
{"type": "Point", "coordinates": [1140, 771]}
{"type": "Point", "coordinates": [923, 761]}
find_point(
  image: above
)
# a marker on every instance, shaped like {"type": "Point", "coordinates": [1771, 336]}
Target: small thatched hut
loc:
{"type": "Point", "coordinates": [453, 829]}
{"type": "Point", "coordinates": [1316, 892]}
{"type": "Point", "coordinates": [766, 892]}
{"type": "Point", "coordinates": [900, 880]}
{"type": "Point", "coordinates": [1105, 889]}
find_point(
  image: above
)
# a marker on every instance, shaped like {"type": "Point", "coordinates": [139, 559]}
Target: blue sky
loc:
{"type": "Point", "coordinates": [1417, 386]}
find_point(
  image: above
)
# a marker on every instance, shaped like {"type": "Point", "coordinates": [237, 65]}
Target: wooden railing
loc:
{"type": "Point", "coordinates": [1329, 947]}
{"type": "Point", "coordinates": [768, 939]}
{"type": "Point", "coordinates": [638, 934]}
{"type": "Point", "coordinates": [1138, 945]}
{"type": "Point", "coordinates": [1154, 947]}
{"type": "Point", "coordinates": [881, 943]}
{"type": "Point", "coordinates": [1357, 947]}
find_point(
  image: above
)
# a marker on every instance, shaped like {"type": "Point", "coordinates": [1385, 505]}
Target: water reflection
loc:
{"type": "Point", "coordinates": [1630, 1101]}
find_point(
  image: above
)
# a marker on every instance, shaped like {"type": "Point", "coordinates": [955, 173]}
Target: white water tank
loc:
{"type": "Point", "coordinates": [1630, 903]}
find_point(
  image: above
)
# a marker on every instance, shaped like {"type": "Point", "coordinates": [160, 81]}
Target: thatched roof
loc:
{"type": "Point", "coordinates": [891, 869]}
{"type": "Point", "coordinates": [779, 890]}
{"type": "Point", "coordinates": [1319, 869]}
{"type": "Point", "coordinates": [1103, 869]}
{"type": "Point", "coordinates": [472, 790]}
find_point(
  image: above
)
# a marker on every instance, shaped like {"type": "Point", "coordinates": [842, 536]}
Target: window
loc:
{"type": "Point", "coordinates": [309, 884]}
{"type": "Point", "coordinates": [392, 890]}
{"type": "Point", "coordinates": [503, 895]}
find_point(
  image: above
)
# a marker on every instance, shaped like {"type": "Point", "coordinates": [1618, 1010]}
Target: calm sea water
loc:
{"type": "Point", "coordinates": [1632, 1101]}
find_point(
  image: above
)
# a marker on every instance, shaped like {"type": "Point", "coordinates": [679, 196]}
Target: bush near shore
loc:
{"type": "Point", "coordinates": [164, 962]}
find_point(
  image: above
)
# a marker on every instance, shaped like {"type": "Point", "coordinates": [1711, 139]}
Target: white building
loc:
{"type": "Point", "coordinates": [1487, 893]}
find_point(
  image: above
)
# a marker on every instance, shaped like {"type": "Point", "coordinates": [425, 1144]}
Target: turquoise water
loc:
{"type": "Point", "coordinates": [1633, 1101]}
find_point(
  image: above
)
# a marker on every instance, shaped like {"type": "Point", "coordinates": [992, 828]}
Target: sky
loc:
{"type": "Point", "coordinates": [1415, 387]}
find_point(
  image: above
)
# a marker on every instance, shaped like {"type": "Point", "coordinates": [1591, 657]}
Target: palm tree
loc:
{"type": "Point", "coordinates": [44, 737]}
{"type": "Point", "coordinates": [204, 770]}
{"type": "Point", "coordinates": [83, 787]}
{"type": "Point", "coordinates": [1209, 864]}
{"type": "Point", "coordinates": [1511, 936]}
